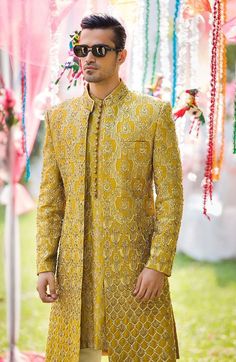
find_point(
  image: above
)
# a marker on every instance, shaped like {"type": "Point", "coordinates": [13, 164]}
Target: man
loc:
{"type": "Point", "coordinates": [105, 248]}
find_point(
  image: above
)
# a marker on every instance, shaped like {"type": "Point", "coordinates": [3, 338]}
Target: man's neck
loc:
{"type": "Point", "coordinates": [102, 90]}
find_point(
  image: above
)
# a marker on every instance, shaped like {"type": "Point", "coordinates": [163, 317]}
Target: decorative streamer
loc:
{"type": "Point", "coordinates": [54, 51]}
{"type": "Point", "coordinates": [183, 49]}
{"type": "Point", "coordinates": [182, 70]}
{"type": "Point", "coordinates": [137, 40]}
{"type": "Point", "coordinates": [174, 46]}
{"type": "Point", "coordinates": [23, 92]}
{"type": "Point", "coordinates": [194, 51]}
{"type": "Point", "coordinates": [154, 63]}
{"type": "Point", "coordinates": [146, 52]}
{"type": "Point", "coordinates": [221, 92]}
{"type": "Point", "coordinates": [208, 180]}
{"type": "Point", "coordinates": [164, 53]}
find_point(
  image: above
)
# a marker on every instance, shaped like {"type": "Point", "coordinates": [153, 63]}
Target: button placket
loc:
{"type": "Point", "coordinates": [95, 187]}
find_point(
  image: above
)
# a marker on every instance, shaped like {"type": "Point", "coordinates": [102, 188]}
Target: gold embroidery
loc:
{"type": "Point", "coordinates": [96, 207]}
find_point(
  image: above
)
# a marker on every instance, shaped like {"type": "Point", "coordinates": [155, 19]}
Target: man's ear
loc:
{"type": "Point", "coordinates": [122, 56]}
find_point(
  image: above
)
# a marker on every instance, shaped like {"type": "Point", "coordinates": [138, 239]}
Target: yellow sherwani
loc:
{"type": "Point", "coordinates": [98, 224]}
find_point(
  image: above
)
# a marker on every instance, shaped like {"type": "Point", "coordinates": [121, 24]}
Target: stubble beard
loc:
{"type": "Point", "coordinates": [92, 78]}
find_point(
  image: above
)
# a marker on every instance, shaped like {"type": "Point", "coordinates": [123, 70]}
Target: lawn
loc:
{"type": "Point", "coordinates": [203, 296]}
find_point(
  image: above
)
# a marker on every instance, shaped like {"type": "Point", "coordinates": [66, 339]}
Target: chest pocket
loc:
{"type": "Point", "coordinates": [137, 149]}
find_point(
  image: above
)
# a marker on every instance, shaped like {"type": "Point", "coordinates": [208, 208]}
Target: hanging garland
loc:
{"type": "Point", "coordinates": [154, 63]}
{"type": "Point", "coordinates": [208, 180]}
{"type": "Point", "coordinates": [146, 40]}
{"type": "Point", "coordinates": [55, 36]}
{"type": "Point", "coordinates": [174, 45]}
{"type": "Point", "coordinates": [183, 52]}
{"type": "Point", "coordinates": [137, 41]}
{"type": "Point", "coordinates": [182, 73]}
{"type": "Point", "coordinates": [221, 91]}
{"type": "Point", "coordinates": [194, 51]}
{"type": "Point", "coordinates": [164, 53]}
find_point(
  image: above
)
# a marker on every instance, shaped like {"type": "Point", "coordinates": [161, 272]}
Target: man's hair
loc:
{"type": "Point", "coordinates": [104, 21]}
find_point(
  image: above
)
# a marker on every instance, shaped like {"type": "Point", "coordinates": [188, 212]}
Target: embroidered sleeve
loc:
{"type": "Point", "coordinates": [167, 170]}
{"type": "Point", "coordinates": [50, 208]}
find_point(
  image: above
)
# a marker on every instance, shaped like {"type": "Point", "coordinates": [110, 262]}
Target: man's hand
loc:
{"type": "Point", "coordinates": [149, 284]}
{"type": "Point", "coordinates": [47, 279]}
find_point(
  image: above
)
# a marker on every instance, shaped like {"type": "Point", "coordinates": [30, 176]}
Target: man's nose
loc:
{"type": "Point", "coordinates": [90, 57]}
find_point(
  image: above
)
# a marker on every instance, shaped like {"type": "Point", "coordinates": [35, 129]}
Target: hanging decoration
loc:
{"type": "Point", "coordinates": [182, 69]}
{"type": "Point", "coordinates": [146, 41]}
{"type": "Point", "coordinates": [187, 105]}
{"type": "Point", "coordinates": [175, 50]}
{"type": "Point", "coordinates": [156, 78]}
{"type": "Point", "coordinates": [217, 55]}
{"type": "Point", "coordinates": [193, 8]}
{"type": "Point", "coordinates": [155, 89]}
{"type": "Point", "coordinates": [55, 35]}
{"type": "Point", "coordinates": [193, 43]}
{"type": "Point", "coordinates": [137, 54]}
{"type": "Point", "coordinates": [164, 54]}
{"type": "Point", "coordinates": [24, 143]}
{"type": "Point", "coordinates": [220, 104]}
{"type": "Point", "coordinates": [183, 52]}
{"type": "Point", "coordinates": [154, 63]}
{"type": "Point", "coordinates": [72, 62]}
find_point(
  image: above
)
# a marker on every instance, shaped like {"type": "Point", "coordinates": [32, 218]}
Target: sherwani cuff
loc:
{"type": "Point", "coordinates": [46, 266]}
{"type": "Point", "coordinates": [158, 266]}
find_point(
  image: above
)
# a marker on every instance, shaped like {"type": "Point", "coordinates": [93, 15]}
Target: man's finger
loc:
{"type": "Point", "coordinates": [138, 284]}
{"type": "Point", "coordinates": [51, 282]}
{"type": "Point", "coordinates": [154, 294]}
{"type": "Point", "coordinates": [147, 295]}
{"type": "Point", "coordinates": [46, 298]}
{"type": "Point", "coordinates": [142, 291]}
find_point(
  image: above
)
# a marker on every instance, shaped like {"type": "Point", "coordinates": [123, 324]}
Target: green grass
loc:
{"type": "Point", "coordinates": [203, 296]}
{"type": "Point", "coordinates": [204, 300]}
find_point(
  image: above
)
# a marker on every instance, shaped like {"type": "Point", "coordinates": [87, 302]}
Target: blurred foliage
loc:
{"type": "Point", "coordinates": [231, 62]}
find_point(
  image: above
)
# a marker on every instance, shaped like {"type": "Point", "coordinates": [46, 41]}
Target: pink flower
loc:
{"type": "Point", "coordinates": [9, 100]}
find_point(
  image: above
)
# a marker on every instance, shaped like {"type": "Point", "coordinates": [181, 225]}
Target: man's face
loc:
{"type": "Point", "coordinates": [97, 69]}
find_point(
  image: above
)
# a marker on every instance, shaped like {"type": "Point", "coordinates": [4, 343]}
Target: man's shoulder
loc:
{"type": "Point", "coordinates": [64, 105]}
{"type": "Point", "coordinates": [147, 100]}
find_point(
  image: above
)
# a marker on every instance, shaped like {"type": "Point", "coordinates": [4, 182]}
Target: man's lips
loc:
{"type": "Point", "coordinates": [89, 68]}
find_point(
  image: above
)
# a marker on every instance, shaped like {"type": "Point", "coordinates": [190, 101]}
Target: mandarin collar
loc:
{"type": "Point", "coordinates": [114, 97]}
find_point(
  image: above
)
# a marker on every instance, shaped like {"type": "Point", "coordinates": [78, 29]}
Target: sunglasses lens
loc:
{"type": "Point", "coordinates": [80, 51]}
{"type": "Point", "coordinates": [99, 51]}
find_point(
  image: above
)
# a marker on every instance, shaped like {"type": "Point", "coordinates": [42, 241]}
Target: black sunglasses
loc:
{"type": "Point", "coordinates": [98, 50]}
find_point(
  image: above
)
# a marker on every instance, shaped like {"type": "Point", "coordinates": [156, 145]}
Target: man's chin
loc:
{"type": "Point", "coordinates": [92, 78]}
